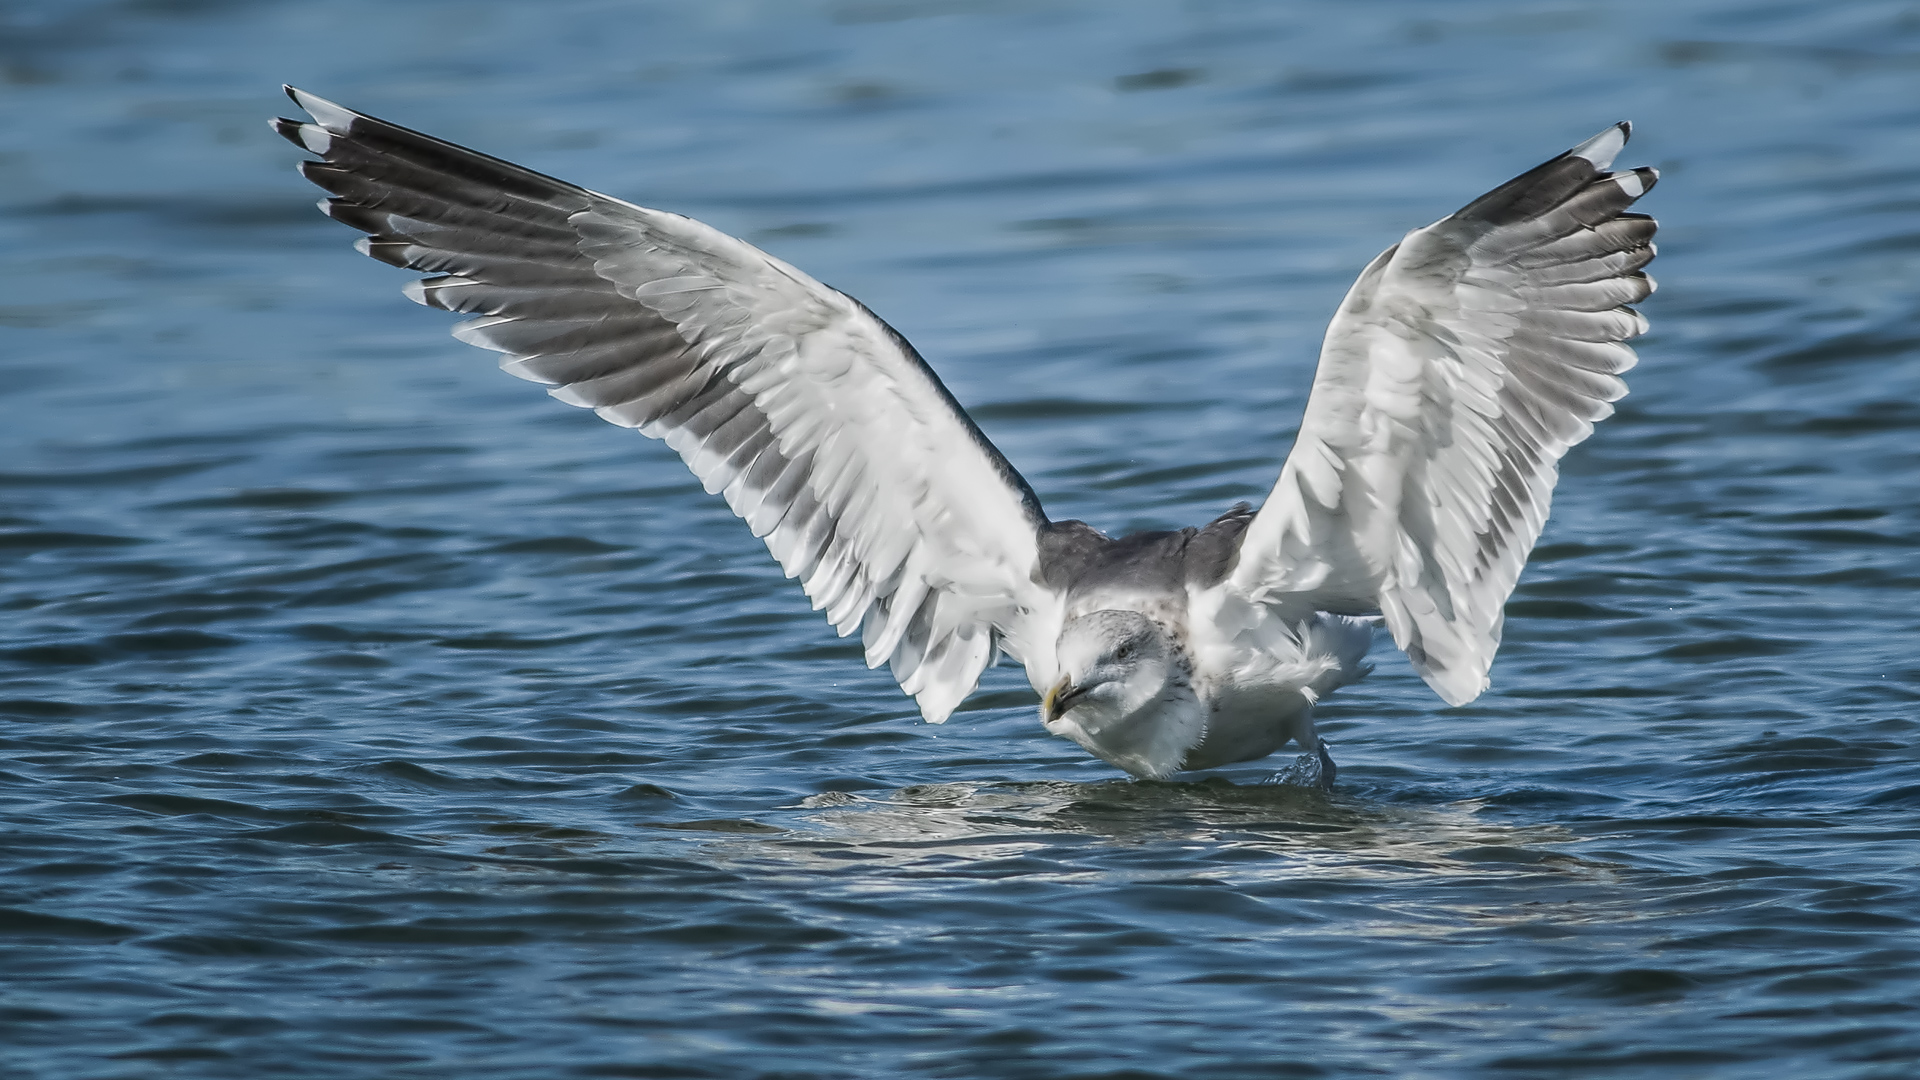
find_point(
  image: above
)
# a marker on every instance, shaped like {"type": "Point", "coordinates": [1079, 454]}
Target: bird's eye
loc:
{"type": "Point", "coordinates": [1124, 653]}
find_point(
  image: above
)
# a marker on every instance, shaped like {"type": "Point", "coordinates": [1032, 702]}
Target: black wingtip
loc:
{"type": "Point", "coordinates": [309, 137]}
{"type": "Point", "coordinates": [1642, 178]}
{"type": "Point", "coordinates": [285, 128]}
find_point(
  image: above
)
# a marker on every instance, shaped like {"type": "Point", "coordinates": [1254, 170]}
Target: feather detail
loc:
{"type": "Point", "coordinates": [823, 429]}
{"type": "Point", "coordinates": [1460, 367]}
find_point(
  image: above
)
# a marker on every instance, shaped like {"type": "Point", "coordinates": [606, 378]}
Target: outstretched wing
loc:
{"type": "Point", "coordinates": [819, 424]}
{"type": "Point", "coordinates": [1461, 366]}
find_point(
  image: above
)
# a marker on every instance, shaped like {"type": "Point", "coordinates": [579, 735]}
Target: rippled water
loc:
{"type": "Point", "coordinates": [365, 714]}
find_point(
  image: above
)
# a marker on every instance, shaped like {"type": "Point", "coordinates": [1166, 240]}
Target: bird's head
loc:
{"type": "Point", "coordinates": [1124, 693]}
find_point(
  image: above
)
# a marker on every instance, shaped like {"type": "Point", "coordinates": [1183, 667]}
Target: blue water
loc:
{"type": "Point", "coordinates": [363, 713]}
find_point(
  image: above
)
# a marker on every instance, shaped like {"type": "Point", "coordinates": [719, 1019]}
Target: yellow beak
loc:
{"type": "Point", "coordinates": [1054, 703]}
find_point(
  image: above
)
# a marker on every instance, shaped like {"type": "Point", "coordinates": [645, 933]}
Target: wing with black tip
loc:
{"type": "Point", "coordinates": [819, 424]}
{"type": "Point", "coordinates": [1458, 370]}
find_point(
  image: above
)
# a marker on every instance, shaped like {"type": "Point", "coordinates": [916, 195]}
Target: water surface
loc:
{"type": "Point", "coordinates": [364, 713]}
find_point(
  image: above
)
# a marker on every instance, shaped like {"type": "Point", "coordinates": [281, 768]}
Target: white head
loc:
{"type": "Point", "coordinates": [1125, 693]}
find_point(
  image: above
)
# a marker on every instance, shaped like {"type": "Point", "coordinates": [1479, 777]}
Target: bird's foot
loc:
{"type": "Point", "coordinates": [1308, 770]}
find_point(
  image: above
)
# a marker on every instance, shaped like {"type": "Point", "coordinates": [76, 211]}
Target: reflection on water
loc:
{"type": "Point", "coordinates": [1316, 833]}
{"type": "Point", "coordinates": [966, 827]}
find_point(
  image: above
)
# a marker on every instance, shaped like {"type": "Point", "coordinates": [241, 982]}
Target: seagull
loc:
{"type": "Point", "coordinates": [1459, 368]}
